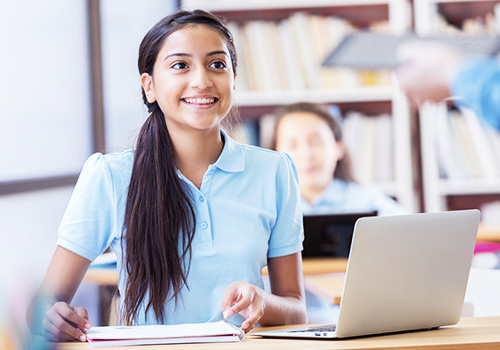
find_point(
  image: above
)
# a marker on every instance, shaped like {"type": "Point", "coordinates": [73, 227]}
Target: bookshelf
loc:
{"type": "Point", "coordinates": [460, 156]}
{"type": "Point", "coordinates": [372, 93]}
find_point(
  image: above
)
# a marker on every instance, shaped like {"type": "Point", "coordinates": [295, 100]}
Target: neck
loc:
{"type": "Point", "coordinates": [195, 151]}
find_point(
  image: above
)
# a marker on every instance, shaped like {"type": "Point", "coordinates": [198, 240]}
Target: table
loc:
{"type": "Point", "coordinates": [488, 233]}
{"type": "Point", "coordinates": [469, 334]}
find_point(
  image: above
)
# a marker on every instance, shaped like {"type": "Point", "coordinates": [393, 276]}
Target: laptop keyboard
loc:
{"type": "Point", "coordinates": [329, 328]}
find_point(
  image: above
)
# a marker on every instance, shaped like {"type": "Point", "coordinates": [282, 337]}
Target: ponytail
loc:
{"type": "Point", "coordinates": [158, 214]}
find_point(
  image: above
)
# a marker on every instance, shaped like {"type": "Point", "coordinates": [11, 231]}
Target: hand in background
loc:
{"type": "Point", "coordinates": [427, 70]}
{"type": "Point", "coordinates": [245, 299]}
{"type": "Point", "coordinates": [63, 322]}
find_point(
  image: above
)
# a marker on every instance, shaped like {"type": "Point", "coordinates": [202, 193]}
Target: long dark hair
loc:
{"type": "Point", "coordinates": [343, 170]}
{"type": "Point", "coordinates": [160, 218]}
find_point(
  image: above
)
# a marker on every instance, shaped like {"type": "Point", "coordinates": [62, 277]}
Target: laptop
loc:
{"type": "Point", "coordinates": [370, 50]}
{"type": "Point", "coordinates": [330, 235]}
{"type": "Point", "coordinates": [406, 272]}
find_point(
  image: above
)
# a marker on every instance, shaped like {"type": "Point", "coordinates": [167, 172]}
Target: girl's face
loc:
{"type": "Point", "coordinates": [193, 80]}
{"type": "Point", "coordinates": [311, 144]}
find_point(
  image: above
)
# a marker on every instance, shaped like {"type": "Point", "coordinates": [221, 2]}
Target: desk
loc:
{"type": "Point", "coordinates": [469, 334]}
{"type": "Point", "coordinates": [327, 287]}
{"type": "Point", "coordinates": [488, 233]}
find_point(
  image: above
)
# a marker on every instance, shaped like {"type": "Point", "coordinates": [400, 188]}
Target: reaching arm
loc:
{"type": "Point", "coordinates": [286, 303]}
{"type": "Point", "coordinates": [50, 313]}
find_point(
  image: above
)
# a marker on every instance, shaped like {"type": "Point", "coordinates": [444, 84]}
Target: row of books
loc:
{"type": "Point", "coordinates": [368, 140]}
{"type": "Point", "coordinates": [288, 55]}
{"type": "Point", "coordinates": [466, 146]}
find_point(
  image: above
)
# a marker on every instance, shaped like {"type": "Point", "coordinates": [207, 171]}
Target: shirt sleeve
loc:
{"type": "Point", "coordinates": [478, 86]}
{"type": "Point", "coordinates": [87, 225]}
{"type": "Point", "coordinates": [288, 233]}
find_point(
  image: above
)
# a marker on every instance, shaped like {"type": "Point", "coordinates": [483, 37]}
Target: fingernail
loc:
{"type": "Point", "coordinates": [227, 313]}
{"type": "Point", "coordinates": [88, 325]}
{"type": "Point", "coordinates": [83, 338]}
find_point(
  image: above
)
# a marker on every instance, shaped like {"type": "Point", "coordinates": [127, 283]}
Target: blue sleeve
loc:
{"type": "Point", "coordinates": [87, 225]}
{"type": "Point", "coordinates": [288, 233]}
{"type": "Point", "coordinates": [478, 85]}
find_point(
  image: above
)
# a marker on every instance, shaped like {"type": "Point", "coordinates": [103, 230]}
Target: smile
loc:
{"type": "Point", "coordinates": [200, 101]}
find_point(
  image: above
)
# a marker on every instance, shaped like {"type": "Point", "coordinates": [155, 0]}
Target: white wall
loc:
{"type": "Point", "coordinates": [45, 96]}
{"type": "Point", "coordinates": [124, 24]}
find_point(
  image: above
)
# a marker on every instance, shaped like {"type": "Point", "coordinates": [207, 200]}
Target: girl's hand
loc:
{"type": "Point", "coordinates": [63, 322]}
{"type": "Point", "coordinates": [246, 299]}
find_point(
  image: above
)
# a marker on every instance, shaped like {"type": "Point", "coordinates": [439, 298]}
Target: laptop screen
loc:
{"type": "Point", "coordinates": [330, 235]}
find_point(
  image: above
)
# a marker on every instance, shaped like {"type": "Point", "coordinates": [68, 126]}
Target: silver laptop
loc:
{"type": "Point", "coordinates": [406, 272]}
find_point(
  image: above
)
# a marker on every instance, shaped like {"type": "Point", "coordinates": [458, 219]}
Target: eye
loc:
{"type": "Point", "coordinates": [179, 65]}
{"type": "Point", "coordinates": [218, 65]}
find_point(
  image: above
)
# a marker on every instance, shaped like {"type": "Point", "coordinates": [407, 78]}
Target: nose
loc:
{"type": "Point", "coordinates": [200, 79]}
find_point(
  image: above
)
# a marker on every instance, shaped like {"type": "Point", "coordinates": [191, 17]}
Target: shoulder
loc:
{"type": "Point", "coordinates": [259, 154]}
{"type": "Point", "coordinates": [111, 168]}
{"type": "Point", "coordinates": [113, 162]}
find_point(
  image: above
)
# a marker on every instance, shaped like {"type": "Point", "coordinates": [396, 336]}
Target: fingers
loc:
{"type": "Point", "coordinates": [63, 323]}
{"type": "Point", "coordinates": [238, 307]}
{"type": "Point", "coordinates": [243, 298]}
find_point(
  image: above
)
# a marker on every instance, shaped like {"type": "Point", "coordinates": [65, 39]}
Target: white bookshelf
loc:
{"type": "Point", "coordinates": [398, 15]}
{"type": "Point", "coordinates": [437, 189]}
{"type": "Point", "coordinates": [347, 95]}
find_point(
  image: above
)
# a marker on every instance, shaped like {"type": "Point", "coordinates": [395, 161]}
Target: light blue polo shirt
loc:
{"type": "Point", "coordinates": [247, 209]}
{"type": "Point", "coordinates": [342, 196]}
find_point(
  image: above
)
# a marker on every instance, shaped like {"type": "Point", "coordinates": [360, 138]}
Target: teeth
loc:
{"type": "Point", "coordinates": [200, 100]}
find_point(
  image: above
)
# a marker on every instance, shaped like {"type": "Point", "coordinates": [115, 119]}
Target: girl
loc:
{"type": "Point", "coordinates": [313, 139]}
{"type": "Point", "coordinates": [192, 215]}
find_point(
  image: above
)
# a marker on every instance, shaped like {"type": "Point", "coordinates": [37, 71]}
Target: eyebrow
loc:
{"type": "Point", "coordinates": [212, 53]}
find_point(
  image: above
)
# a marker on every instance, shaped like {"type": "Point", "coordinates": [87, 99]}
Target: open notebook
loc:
{"type": "Point", "coordinates": [211, 332]}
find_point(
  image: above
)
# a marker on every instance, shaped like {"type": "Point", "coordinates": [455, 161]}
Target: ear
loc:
{"type": "Point", "coordinates": [341, 149]}
{"type": "Point", "coordinates": [147, 85]}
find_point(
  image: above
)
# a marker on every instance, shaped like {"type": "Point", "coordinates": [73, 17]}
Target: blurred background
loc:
{"type": "Point", "coordinates": [70, 87]}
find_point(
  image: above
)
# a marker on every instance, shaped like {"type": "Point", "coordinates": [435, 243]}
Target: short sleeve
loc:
{"type": "Point", "coordinates": [287, 234]}
{"type": "Point", "coordinates": [478, 86]}
{"type": "Point", "coordinates": [89, 221]}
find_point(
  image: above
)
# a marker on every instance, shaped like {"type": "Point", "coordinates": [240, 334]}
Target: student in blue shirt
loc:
{"type": "Point", "coordinates": [192, 215]}
{"type": "Point", "coordinates": [435, 71]}
{"type": "Point", "coordinates": [313, 138]}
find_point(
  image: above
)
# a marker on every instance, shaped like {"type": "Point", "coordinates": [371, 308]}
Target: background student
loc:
{"type": "Point", "coordinates": [171, 208]}
{"type": "Point", "coordinates": [313, 138]}
{"type": "Point", "coordinates": [436, 71]}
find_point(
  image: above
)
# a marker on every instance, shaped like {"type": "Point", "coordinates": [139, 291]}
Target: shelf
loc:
{"type": "Point", "coordinates": [360, 94]}
{"type": "Point", "coordinates": [231, 5]}
{"type": "Point", "coordinates": [461, 187]}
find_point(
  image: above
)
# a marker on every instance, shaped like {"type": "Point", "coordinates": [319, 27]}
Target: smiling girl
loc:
{"type": "Point", "coordinates": [192, 215]}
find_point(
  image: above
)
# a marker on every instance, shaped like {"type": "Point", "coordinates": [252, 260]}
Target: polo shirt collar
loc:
{"type": "Point", "coordinates": [232, 158]}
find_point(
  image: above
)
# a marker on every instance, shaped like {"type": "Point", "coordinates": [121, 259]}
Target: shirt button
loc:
{"type": "Point", "coordinates": [201, 199]}
{"type": "Point", "coordinates": [204, 225]}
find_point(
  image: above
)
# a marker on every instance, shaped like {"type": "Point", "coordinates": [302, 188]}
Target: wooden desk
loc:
{"type": "Point", "coordinates": [487, 233]}
{"type": "Point", "coordinates": [328, 287]}
{"type": "Point", "coordinates": [470, 334]}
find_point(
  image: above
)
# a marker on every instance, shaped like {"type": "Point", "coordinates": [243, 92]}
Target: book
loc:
{"type": "Point", "coordinates": [210, 332]}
